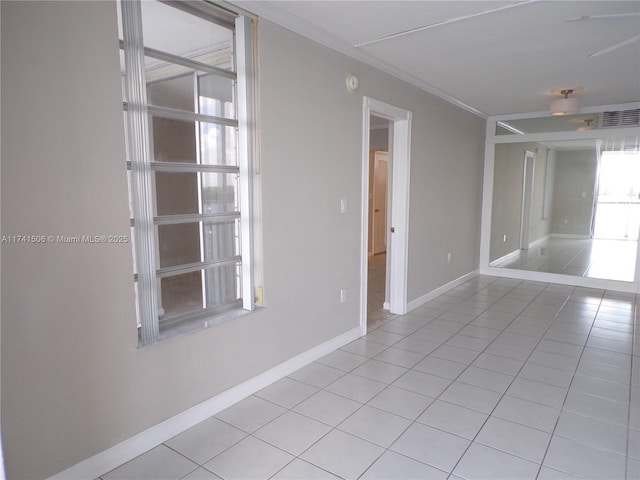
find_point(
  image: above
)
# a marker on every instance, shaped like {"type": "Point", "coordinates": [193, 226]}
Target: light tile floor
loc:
{"type": "Point", "coordinates": [376, 278]}
{"type": "Point", "coordinates": [496, 379]}
{"type": "Point", "coordinates": [595, 258]}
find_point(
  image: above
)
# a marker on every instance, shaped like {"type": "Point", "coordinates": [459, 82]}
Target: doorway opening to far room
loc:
{"type": "Point", "coordinates": [397, 206]}
{"type": "Point", "coordinates": [527, 200]}
{"type": "Point", "coordinates": [379, 193]}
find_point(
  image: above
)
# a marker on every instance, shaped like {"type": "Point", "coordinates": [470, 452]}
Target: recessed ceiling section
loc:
{"type": "Point", "coordinates": [492, 57]}
{"type": "Point", "coordinates": [570, 123]}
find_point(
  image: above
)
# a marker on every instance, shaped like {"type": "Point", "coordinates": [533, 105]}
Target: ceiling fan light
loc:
{"type": "Point", "coordinates": [565, 106]}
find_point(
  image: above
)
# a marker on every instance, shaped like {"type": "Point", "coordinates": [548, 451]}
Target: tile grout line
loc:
{"type": "Point", "coordinates": [514, 378]}
{"type": "Point", "coordinates": [474, 315]}
{"type": "Point", "coordinates": [386, 449]}
{"type": "Point", "coordinates": [569, 386]}
{"type": "Point", "coordinates": [410, 368]}
{"type": "Point", "coordinates": [413, 422]}
{"type": "Point", "coordinates": [468, 365]}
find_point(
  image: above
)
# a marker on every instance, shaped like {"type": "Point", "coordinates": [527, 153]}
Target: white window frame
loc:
{"type": "Point", "coordinates": [139, 155]}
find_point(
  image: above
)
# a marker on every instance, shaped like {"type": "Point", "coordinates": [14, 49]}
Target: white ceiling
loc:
{"type": "Point", "coordinates": [504, 57]}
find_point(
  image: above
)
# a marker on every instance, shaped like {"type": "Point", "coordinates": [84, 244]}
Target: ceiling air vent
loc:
{"type": "Point", "coordinates": [622, 118]}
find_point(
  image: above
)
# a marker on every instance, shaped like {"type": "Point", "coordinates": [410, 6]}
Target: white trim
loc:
{"type": "Point", "coordinates": [588, 282]}
{"type": "Point", "coordinates": [235, 9]}
{"type": "Point", "coordinates": [510, 256]}
{"type": "Point", "coordinates": [595, 109]}
{"type": "Point", "coordinates": [637, 277]}
{"type": "Point", "coordinates": [528, 178]}
{"type": "Point", "coordinates": [505, 258]}
{"type": "Point", "coordinates": [487, 196]}
{"type": "Point", "coordinates": [562, 136]}
{"type": "Point", "coordinates": [398, 246]}
{"type": "Point", "coordinates": [142, 184]}
{"type": "Point", "coordinates": [400, 183]}
{"type": "Point", "coordinates": [574, 236]}
{"type": "Point", "coordinates": [421, 300]}
{"type": "Point", "coordinates": [539, 240]}
{"type": "Point", "coordinates": [364, 224]}
{"type": "Point", "coordinates": [244, 91]}
{"type": "Point", "coordinates": [270, 11]}
{"type": "Point", "coordinates": [491, 140]}
{"type": "Point", "coordinates": [115, 456]}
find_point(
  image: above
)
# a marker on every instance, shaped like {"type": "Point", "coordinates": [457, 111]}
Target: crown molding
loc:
{"type": "Point", "coordinates": [270, 11]}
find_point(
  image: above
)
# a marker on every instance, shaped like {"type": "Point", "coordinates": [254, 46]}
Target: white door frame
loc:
{"type": "Point", "coordinates": [637, 276]}
{"type": "Point", "coordinates": [397, 247]}
{"type": "Point", "coordinates": [527, 199]}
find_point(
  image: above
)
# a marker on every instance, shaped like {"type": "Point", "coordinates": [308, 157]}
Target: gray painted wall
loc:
{"type": "Point", "coordinates": [573, 192]}
{"type": "Point", "coordinates": [379, 139]}
{"type": "Point", "coordinates": [73, 380]}
{"type": "Point", "coordinates": [507, 197]}
{"type": "Point", "coordinates": [541, 226]}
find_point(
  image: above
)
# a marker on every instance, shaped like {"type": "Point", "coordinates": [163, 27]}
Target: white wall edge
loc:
{"type": "Point", "coordinates": [418, 302]}
{"type": "Point", "coordinates": [113, 457]}
{"type": "Point", "coordinates": [364, 214]}
{"type": "Point", "coordinates": [487, 195]}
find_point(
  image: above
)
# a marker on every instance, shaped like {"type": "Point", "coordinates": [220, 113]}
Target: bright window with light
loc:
{"type": "Point", "coordinates": [186, 70]}
{"type": "Point", "coordinates": [618, 202]}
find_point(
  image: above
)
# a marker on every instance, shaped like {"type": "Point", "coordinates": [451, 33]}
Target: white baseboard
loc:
{"type": "Point", "coordinates": [418, 302]}
{"type": "Point", "coordinates": [539, 241]}
{"type": "Point", "coordinates": [115, 456]}
{"type": "Point", "coordinates": [587, 282]}
{"type": "Point", "coordinates": [516, 253]}
{"type": "Point", "coordinates": [509, 256]}
{"type": "Point", "coordinates": [574, 236]}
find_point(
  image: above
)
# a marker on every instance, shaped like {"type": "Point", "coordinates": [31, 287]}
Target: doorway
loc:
{"type": "Point", "coordinates": [527, 200]}
{"type": "Point", "coordinates": [379, 192]}
{"type": "Point", "coordinates": [379, 184]}
{"type": "Point", "coordinates": [397, 206]}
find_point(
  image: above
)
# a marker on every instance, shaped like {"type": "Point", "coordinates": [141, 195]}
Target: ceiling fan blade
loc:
{"type": "Point", "coordinates": [603, 17]}
{"type": "Point", "coordinates": [615, 47]}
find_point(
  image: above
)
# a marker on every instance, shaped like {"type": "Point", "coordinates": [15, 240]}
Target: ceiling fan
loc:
{"type": "Point", "coordinates": [624, 43]}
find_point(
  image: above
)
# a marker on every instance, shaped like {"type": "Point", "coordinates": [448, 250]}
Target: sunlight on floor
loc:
{"type": "Point", "coordinates": [610, 259]}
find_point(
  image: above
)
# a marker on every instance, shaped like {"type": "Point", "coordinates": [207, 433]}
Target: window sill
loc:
{"type": "Point", "coordinates": [197, 324]}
